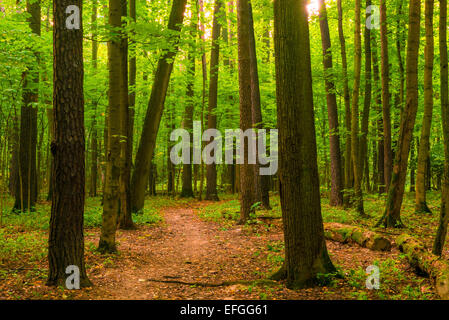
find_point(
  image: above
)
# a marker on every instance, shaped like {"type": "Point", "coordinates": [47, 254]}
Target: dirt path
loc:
{"type": "Point", "coordinates": [186, 249]}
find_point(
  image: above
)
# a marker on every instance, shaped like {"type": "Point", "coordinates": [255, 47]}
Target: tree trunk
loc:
{"type": "Point", "coordinates": [385, 94]}
{"type": "Point", "coordinates": [363, 147]}
{"type": "Point", "coordinates": [261, 182]}
{"type": "Point", "coordinates": [246, 169]}
{"type": "Point", "coordinates": [211, 187]}
{"type": "Point", "coordinates": [125, 215]}
{"type": "Point", "coordinates": [351, 234]}
{"type": "Point", "coordinates": [356, 157]}
{"type": "Point", "coordinates": [444, 211]}
{"type": "Point", "coordinates": [66, 238]}
{"type": "Point", "coordinates": [187, 191]}
{"type": "Point", "coordinates": [154, 112]}
{"type": "Point", "coordinates": [336, 194]}
{"type": "Point", "coordinates": [26, 192]}
{"type": "Point", "coordinates": [348, 163]}
{"type": "Point", "coordinates": [424, 144]}
{"type": "Point", "coordinates": [94, 143]}
{"type": "Point", "coordinates": [114, 161]}
{"type": "Point", "coordinates": [204, 82]}
{"type": "Point", "coordinates": [306, 254]}
{"type": "Point", "coordinates": [392, 215]}
{"type": "Point", "coordinates": [378, 103]}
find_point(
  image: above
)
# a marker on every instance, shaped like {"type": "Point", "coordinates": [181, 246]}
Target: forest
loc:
{"type": "Point", "coordinates": [224, 150]}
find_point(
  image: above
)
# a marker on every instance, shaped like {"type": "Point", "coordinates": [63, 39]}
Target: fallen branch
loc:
{"type": "Point", "coordinates": [421, 259]}
{"type": "Point", "coordinates": [218, 284]}
{"type": "Point", "coordinates": [351, 234]}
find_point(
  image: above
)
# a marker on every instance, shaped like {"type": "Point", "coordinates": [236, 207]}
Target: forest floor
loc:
{"type": "Point", "coordinates": [186, 249]}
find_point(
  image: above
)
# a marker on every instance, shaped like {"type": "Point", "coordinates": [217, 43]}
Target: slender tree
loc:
{"type": "Point", "coordinates": [356, 157]}
{"type": "Point", "coordinates": [94, 135]}
{"type": "Point", "coordinates": [424, 143]}
{"type": "Point", "coordinates": [187, 190]}
{"type": "Point", "coordinates": [392, 215]}
{"type": "Point", "coordinates": [246, 169]}
{"type": "Point", "coordinates": [153, 116]}
{"type": "Point", "coordinates": [336, 194]}
{"type": "Point", "coordinates": [261, 182]}
{"type": "Point", "coordinates": [378, 105]}
{"type": "Point", "coordinates": [363, 143]}
{"type": "Point", "coordinates": [385, 93]}
{"type": "Point", "coordinates": [114, 160]}
{"type": "Point", "coordinates": [305, 249]}
{"type": "Point", "coordinates": [66, 238]}
{"type": "Point", "coordinates": [444, 213]}
{"type": "Point", "coordinates": [125, 215]}
{"type": "Point", "coordinates": [348, 174]}
{"type": "Point", "coordinates": [211, 187]}
{"type": "Point", "coordinates": [26, 188]}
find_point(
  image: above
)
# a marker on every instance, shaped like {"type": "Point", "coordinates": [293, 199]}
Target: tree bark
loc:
{"type": "Point", "coordinates": [424, 144]}
{"type": "Point", "coordinates": [378, 103]}
{"type": "Point", "coordinates": [363, 142]}
{"type": "Point", "coordinates": [424, 261]}
{"type": "Point", "coordinates": [336, 194]}
{"type": "Point", "coordinates": [187, 190]}
{"type": "Point", "coordinates": [348, 174]}
{"type": "Point", "coordinates": [444, 211]}
{"type": "Point", "coordinates": [356, 157]}
{"type": "Point", "coordinates": [94, 142]}
{"type": "Point", "coordinates": [351, 234]}
{"type": "Point", "coordinates": [211, 169]}
{"type": "Point", "coordinates": [385, 94]}
{"type": "Point", "coordinates": [305, 249]}
{"type": "Point", "coordinates": [246, 169]}
{"type": "Point", "coordinates": [114, 160]}
{"type": "Point", "coordinates": [66, 238]}
{"type": "Point", "coordinates": [261, 188]}
{"type": "Point", "coordinates": [26, 188]}
{"type": "Point", "coordinates": [125, 220]}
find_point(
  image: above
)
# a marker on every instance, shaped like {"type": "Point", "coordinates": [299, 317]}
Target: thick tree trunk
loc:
{"type": "Point", "coordinates": [154, 112]}
{"type": "Point", "coordinates": [392, 215]}
{"type": "Point", "coordinates": [305, 249]}
{"type": "Point", "coordinates": [66, 239]}
{"type": "Point", "coordinates": [336, 194]}
{"type": "Point", "coordinates": [424, 144]}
